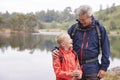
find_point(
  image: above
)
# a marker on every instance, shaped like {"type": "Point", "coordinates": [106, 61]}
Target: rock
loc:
{"type": "Point", "coordinates": [113, 74]}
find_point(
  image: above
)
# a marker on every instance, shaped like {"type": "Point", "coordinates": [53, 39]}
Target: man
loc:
{"type": "Point", "coordinates": [87, 45]}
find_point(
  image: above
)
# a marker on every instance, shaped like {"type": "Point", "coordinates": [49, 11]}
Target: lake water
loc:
{"type": "Point", "coordinates": [28, 57]}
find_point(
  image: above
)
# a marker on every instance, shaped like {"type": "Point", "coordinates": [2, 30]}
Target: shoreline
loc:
{"type": "Point", "coordinates": [9, 31]}
{"type": "Point", "coordinates": [113, 74]}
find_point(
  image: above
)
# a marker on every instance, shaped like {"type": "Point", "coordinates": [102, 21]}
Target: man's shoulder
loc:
{"type": "Point", "coordinates": [71, 28]}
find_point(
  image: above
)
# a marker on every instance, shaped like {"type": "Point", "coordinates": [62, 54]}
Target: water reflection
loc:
{"type": "Point", "coordinates": [20, 65]}
{"type": "Point", "coordinates": [27, 41]}
{"type": "Point", "coordinates": [115, 46]}
{"type": "Point", "coordinates": [34, 41]}
{"type": "Point", "coordinates": [28, 56]}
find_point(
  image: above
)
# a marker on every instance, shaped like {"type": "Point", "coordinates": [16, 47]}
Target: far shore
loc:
{"type": "Point", "coordinates": [4, 30]}
{"type": "Point", "coordinates": [9, 31]}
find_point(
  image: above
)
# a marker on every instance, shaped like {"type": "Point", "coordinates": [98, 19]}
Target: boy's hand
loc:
{"type": "Point", "coordinates": [76, 74]}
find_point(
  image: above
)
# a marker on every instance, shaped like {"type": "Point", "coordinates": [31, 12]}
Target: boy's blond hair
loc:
{"type": "Point", "coordinates": [61, 37]}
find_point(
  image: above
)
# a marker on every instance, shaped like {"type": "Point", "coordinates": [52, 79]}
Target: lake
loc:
{"type": "Point", "coordinates": [28, 56]}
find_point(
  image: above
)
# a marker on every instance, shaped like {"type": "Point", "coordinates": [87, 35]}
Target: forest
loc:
{"type": "Point", "coordinates": [52, 19]}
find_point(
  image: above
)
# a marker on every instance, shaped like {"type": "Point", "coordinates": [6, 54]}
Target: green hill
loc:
{"type": "Point", "coordinates": [110, 17]}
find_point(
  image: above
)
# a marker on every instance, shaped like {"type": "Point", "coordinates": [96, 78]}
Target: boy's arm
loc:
{"type": "Point", "coordinates": [58, 70]}
{"type": "Point", "coordinates": [78, 70]}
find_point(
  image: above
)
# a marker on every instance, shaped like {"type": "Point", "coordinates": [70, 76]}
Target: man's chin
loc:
{"type": "Point", "coordinates": [84, 25]}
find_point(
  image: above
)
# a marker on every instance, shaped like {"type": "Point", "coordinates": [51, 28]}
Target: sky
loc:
{"type": "Point", "coordinates": [27, 6]}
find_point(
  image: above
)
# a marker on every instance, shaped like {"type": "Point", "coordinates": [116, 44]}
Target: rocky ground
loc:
{"type": "Point", "coordinates": [113, 74]}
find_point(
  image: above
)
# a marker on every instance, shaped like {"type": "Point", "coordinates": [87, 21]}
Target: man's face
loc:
{"type": "Point", "coordinates": [85, 20]}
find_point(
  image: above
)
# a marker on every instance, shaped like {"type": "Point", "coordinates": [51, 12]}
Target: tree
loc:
{"type": "Point", "coordinates": [67, 13]}
{"type": "Point", "coordinates": [101, 8]}
{"type": "Point", "coordinates": [2, 21]}
{"type": "Point", "coordinates": [112, 25]}
{"type": "Point", "coordinates": [40, 15]}
{"type": "Point", "coordinates": [113, 8]}
{"type": "Point", "coordinates": [50, 16]}
{"type": "Point", "coordinates": [30, 22]}
{"type": "Point", "coordinates": [107, 11]}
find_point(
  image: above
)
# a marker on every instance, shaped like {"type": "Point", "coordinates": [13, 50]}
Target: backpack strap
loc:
{"type": "Point", "coordinates": [61, 56]}
{"type": "Point", "coordinates": [99, 38]}
{"type": "Point", "coordinates": [78, 28]}
{"type": "Point", "coordinates": [74, 30]}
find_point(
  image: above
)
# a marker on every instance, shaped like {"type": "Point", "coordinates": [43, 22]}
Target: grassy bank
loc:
{"type": "Point", "coordinates": [113, 74]}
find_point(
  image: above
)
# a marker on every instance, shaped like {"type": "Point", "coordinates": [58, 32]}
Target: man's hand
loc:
{"type": "Point", "coordinates": [55, 53]}
{"type": "Point", "coordinates": [101, 74]}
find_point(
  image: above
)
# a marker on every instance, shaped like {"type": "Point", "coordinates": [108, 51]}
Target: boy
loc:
{"type": "Point", "coordinates": [66, 66]}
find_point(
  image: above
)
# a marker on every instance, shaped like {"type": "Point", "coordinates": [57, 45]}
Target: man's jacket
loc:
{"type": "Point", "coordinates": [86, 45]}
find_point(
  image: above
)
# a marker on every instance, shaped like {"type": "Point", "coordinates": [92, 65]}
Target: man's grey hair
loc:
{"type": "Point", "coordinates": [84, 9]}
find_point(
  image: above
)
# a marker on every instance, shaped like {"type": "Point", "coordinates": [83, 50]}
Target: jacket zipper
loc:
{"type": "Point", "coordinates": [81, 49]}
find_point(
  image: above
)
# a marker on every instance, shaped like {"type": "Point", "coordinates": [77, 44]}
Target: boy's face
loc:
{"type": "Point", "coordinates": [67, 42]}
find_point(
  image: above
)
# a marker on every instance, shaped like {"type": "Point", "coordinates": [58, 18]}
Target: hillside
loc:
{"type": "Point", "coordinates": [110, 17]}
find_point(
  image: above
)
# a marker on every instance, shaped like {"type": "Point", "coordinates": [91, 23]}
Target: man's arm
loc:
{"type": "Point", "coordinates": [105, 51]}
{"type": "Point", "coordinates": [105, 54]}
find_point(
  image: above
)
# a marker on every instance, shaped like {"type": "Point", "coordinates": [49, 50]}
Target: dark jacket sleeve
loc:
{"type": "Point", "coordinates": [105, 50]}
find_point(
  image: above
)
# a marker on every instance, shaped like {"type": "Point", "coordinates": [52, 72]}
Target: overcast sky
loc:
{"type": "Point", "coordinates": [26, 6]}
